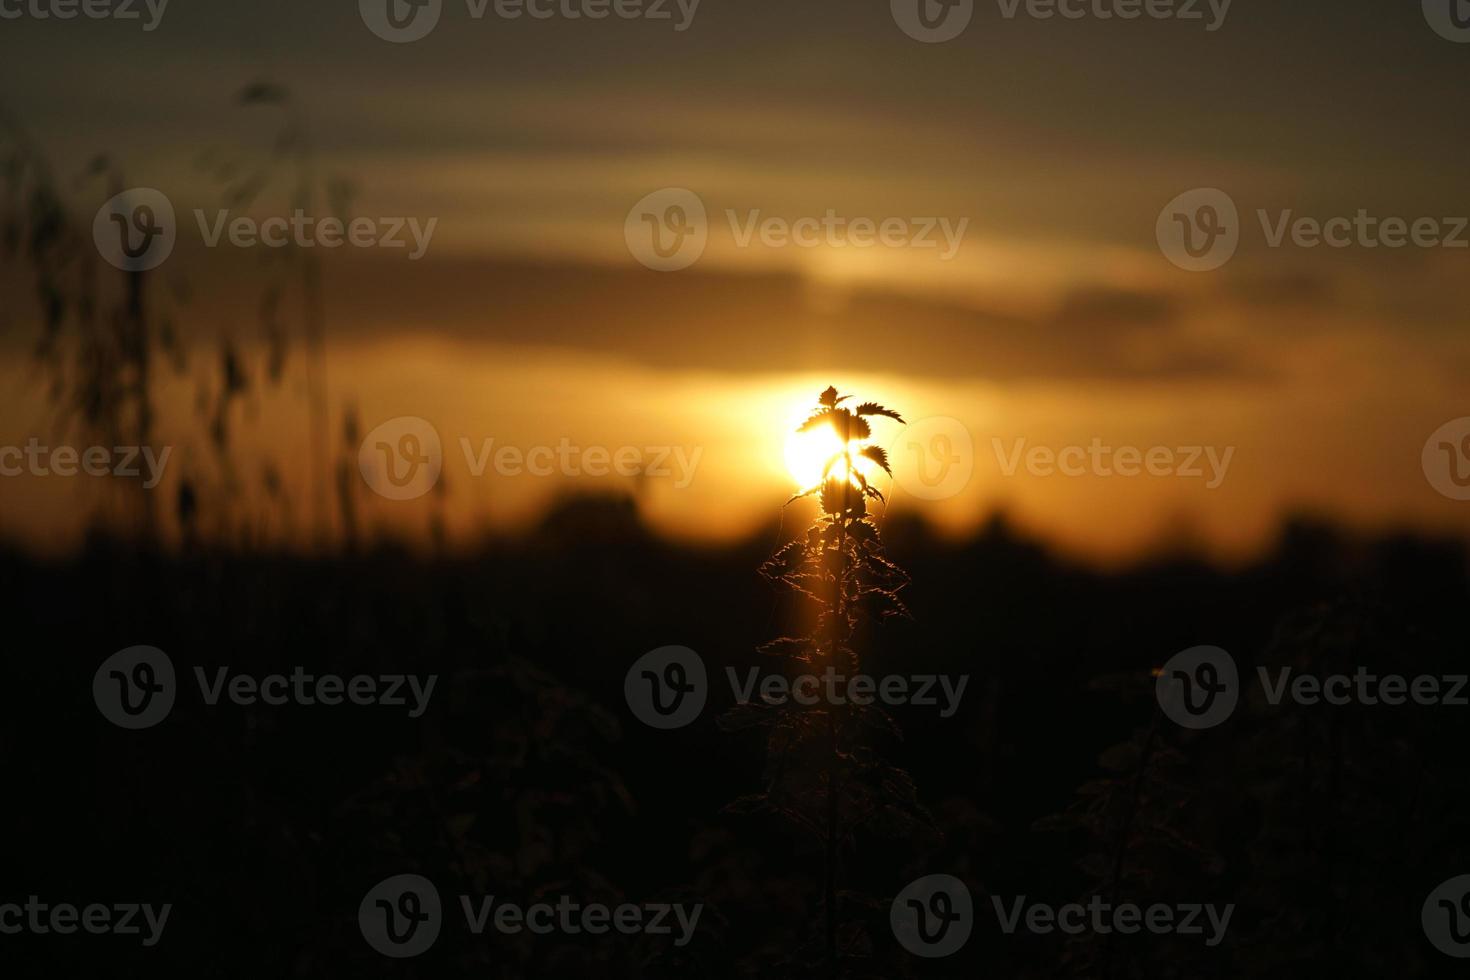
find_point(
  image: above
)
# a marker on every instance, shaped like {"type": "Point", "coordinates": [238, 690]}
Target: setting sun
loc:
{"type": "Point", "coordinates": [814, 442]}
{"type": "Point", "coordinates": [807, 454]}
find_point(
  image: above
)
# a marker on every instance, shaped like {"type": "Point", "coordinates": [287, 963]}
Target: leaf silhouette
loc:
{"type": "Point", "coordinates": [786, 646]}
{"type": "Point", "coordinates": [878, 455]}
{"type": "Point", "coordinates": [824, 416]}
{"type": "Point", "coordinates": [873, 408]}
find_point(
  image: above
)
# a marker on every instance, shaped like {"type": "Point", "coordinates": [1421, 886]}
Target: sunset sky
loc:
{"type": "Point", "coordinates": [1057, 321]}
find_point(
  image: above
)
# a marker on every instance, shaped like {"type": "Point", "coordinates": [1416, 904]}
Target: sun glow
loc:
{"type": "Point", "coordinates": [807, 454]}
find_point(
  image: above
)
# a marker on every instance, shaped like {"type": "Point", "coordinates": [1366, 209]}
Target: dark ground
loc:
{"type": "Point", "coordinates": [528, 775]}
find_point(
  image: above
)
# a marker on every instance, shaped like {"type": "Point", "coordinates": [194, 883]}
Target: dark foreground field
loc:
{"type": "Point", "coordinates": [528, 777]}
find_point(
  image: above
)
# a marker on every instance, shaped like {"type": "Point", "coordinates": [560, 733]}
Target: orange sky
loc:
{"type": "Point", "coordinates": [1058, 321]}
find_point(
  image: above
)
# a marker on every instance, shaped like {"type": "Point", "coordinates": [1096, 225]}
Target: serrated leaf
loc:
{"type": "Point", "coordinates": [786, 646]}
{"type": "Point", "coordinates": [878, 455]}
{"type": "Point", "coordinates": [826, 415]}
{"type": "Point", "coordinates": [787, 558]}
{"type": "Point", "coordinates": [873, 408]}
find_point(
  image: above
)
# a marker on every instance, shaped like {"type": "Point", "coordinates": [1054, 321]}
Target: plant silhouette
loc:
{"type": "Point", "coordinates": [840, 567]}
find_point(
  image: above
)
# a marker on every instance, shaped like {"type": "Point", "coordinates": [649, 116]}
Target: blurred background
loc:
{"type": "Point", "coordinates": [527, 319]}
{"type": "Point", "coordinates": [1328, 380]}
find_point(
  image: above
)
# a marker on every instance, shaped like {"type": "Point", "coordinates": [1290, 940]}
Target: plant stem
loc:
{"type": "Point", "coordinates": [838, 618]}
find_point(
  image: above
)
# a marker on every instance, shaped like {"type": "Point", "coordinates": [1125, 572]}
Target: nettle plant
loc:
{"type": "Point", "coordinates": [839, 562]}
{"type": "Point", "coordinates": [823, 774]}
